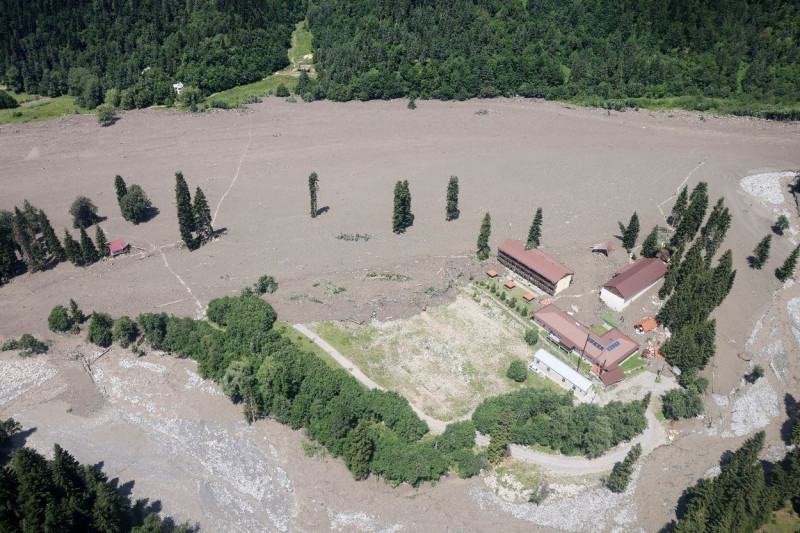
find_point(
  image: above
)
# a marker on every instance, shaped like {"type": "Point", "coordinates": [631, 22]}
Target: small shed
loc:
{"type": "Point", "coordinates": [647, 324]}
{"type": "Point", "coordinates": [492, 273]}
{"type": "Point", "coordinates": [528, 296]}
{"type": "Point", "coordinates": [117, 247]}
{"type": "Point", "coordinates": [510, 284]}
{"type": "Point", "coordinates": [177, 87]}
{"type": "Point", "coordinates": [605, 247]}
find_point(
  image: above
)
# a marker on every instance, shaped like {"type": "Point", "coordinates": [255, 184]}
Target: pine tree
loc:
{"type": "Point", "coordinates": [75, 312]}
{"type": "Point", "coordinates": [650, 246]}
{"type": "Point", "coordinates": [694, 215]}
{"type": "Point", "coordinates": [451, 211]}
{"type": "Point", "coordinates": [483, 237]}
{"type": "Point", "coordinates": [186, 218]}
{"type": "Point", "coordinates": [672, 274]}
{"type": "Point", "coordinates": [122, 189]}
{"type": "Point", "coordinates": [73, 249]}
{"type": "Point", "coordinates": [50, 239]}
{"type": "Point", "coordinates": [313, 187]}
{"type": "Point", "coordinates": [8, 254]}
{"type": "Point", "coordinates": [535, 233]}
{"type": "Point", "coordinates": [761, 252]}
{"type": "Point", "coordinates": [202, 217]}
{"type": "Point", "coordinates": [358, 452]}
{"type": "Point", "coordinates": [102, 242]}
{"type": "Point", "coordinates": [630, 232]}
{"type": "Point", "coordinates": [713, 233]}
{"type": "Point", "coordinates": [786, 271]}
{"type": "Point", "coordinates": [32, 253]}
{"type": "Point", "coordinates": [722, 277]}
{"type": "Point", "coordinates": [402, 207]}
{"type": "Point", "coordinates": [499, 439]}
{"type": "Point", "coordinates": [679, 209]}
{"type": "Point", "coordinates": [621, 473]}
{"type": "Point", "coordinates": [88, 250]}
{"type": "Point", "coordinates": [408, 217]}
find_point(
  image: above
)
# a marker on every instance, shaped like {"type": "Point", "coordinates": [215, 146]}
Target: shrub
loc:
{"type": "Point", "coordinates": [682, 403]}
{"type": "Point", "coordinates": [266, 284]}
{"type": "Point", "coordinates": [517, 371]}
{"type": "Point", "coordinates": [106, 113]}
{"type": "Point", "coordinates": [532, 336]}
{"type": "Point", "coordinates": [281, 91]}
{"type": "Point", "coordinates": [84, 212]}
{"type": "Point", "coordinates": [135, 204]}
{"type": "Point", "coordinates": [59, 320]}
{"type": "Point", "coordinates": [124, 331]}
{"type": "Point", "coordinates": [100, 329]}
{"type": "Point", "coordinates": [75, 313]}
{"type": "Point", "coordinates": [621, 473]}
{"type": "Point", "coordinates": [7, 101]}
{"type": "Point", "coordinates": [27, 344]}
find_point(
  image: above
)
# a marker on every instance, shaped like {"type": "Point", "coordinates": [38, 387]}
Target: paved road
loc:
{"type": "Point", "coordinates": [652, 437]}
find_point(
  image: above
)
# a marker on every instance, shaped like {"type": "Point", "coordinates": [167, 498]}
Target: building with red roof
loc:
{"type": "Point", "coordinates": [117, 247]}
{"type": "Point", "coordinates": [633, 281]}
{"type": "Point", "coordinates": [535, 266]}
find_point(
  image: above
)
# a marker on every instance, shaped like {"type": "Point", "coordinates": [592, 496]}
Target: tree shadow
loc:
{"type": "Point", "coordinates": [792, 411]}
{"type": "Point", "coordinates": [18, 440]}
{"type": "Point", "coordinates": [752, 261]}
{"type": "Point", "coordinates": [109, 122]}
{"type": "Point", "coordinates": [455, 215]}
{"type": "Point", "coordinates": [777, 230]}
{"type": "Point", "coordinates": [220, 231]}
{"type": "Point", "coordinates": [125, 489]}
{"type": "Point", "coordinates": [323, 210]}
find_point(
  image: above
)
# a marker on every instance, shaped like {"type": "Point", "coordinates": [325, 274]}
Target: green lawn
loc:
{"type": "Point", "coordinates": [34, 108]}
{"type": "Point", "coordinates": [634, 362]}
{"type": "Point", "coordinates": [599, 330]}
{"type": "Point", "coordinates": [783, 521]}
{"type": "Point", "coordinates": [286, 330]}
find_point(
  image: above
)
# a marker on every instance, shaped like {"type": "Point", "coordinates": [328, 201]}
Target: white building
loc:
{"type": "Point", "coordinates": [633, 281]}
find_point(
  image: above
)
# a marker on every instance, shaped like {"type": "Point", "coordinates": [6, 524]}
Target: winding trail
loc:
{"type": "Point", "coordinates": [235, 176]}
{"type": "Point", "coordinates": [160, 249]}
{"type": "Point", "coordinates": [652, 437]}
{"type": "Point", "coordinates": [678, 189]}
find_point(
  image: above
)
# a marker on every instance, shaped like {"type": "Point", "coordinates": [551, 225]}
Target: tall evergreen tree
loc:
{"type": "Point", "coordinates": [8, 253]}
{"type": "Point", "coordinates": [713, 233]}
{"type": "Point", "coordinates": [102, 242]}
{"type": "Point", "coordinates": [73, 249]}
{"type": "Point", "coordinates": [621, 473]}
{"type": "Point", "coordinates": [672, 274]}
{"type": "Point", "coordinates": [121, 188]}
{"type": "Point", "coordinates": [75, 312]}
{"type": "Point", "coordinates": [679, 209]}
{"type": "Point", "coordinates": [358, 452]}
{"type": "Point", "coordinates": [451, 211]}
{"type": "Point", "coordinates": [535, 232]}
{"type": "Point", "coordinates": [630, 232]}
{"type": "Point", "coordinates": [693, 218]}
{"type": "Point", "coordinates": [186, 218]}
{"type": "Point", "coordinates": [786, 270]}
{"type": "Point", "coordinates": [650, 246]}
{"type": "Point", "coordinates": [88, 250]}
{"type": "Point", "coordinates": [202, 217]}
{"type": "Point", "coordinates": [401, 216]}
{"type": "Point", "coordinates": [722, 277]}
{"type": "Point", "coordinates": [499, 439]}
{"type": "Point", "coordinates": [483, 237]}
{"type": "Point", "coordinates": [761, 252]}
{"type": "Point", "coordinates": [408, 216]}
{"type": "Point", "coordinates": [32, 254]}
{"type": "Point", "coordinates": [313, 187]}
{"type": "Point", "coordinates": [50, 239]}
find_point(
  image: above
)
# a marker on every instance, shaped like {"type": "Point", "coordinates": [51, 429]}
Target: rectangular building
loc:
{"type": "Point", "coordinates": [535, 266]}
{"type": "Point", "coordinates": [633, 281]}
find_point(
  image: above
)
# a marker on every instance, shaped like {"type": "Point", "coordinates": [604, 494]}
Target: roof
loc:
{"type": "Point", "coordinates": [536, 260]}
{"type": "Point", "coordinates": [491, 273]}
{"type": "Point", "coordinates": [510, 284]}
{"type": "Point", "coordinates": [528, 296]}
{"type": "Point", "coordinates": [612, 376]}
{"type": "Point", "coordinates": [636, 277]}
{"type": "Point", "coordinates": [647, 324]}
{"type": "Point", "coordinates": [606, 351]}
{"type": "Point", "coordinates": [563, 369]}
{"type": "Point", "coordinates": [117, 246]}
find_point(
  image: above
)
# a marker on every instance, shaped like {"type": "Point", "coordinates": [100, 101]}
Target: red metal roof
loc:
{"type": "Point", "coordinates": [612, 376]}
{"type": "Point", "coordinates": [510, 284]}
{"type": "Point", "coordinates": [536, 260]}
{"type": "Point", "coordinates": [117, 246]}
{"type": "Point", "coordinates": [491, 273]}
{"type": "Point", "coordinates": [636, 277]}
{"type": "Point", "coordinates": [648, 324]}
{"type": "Point", "coordinates": [529, 296]}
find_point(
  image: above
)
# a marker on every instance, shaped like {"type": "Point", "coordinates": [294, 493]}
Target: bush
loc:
{"type": "Point", "coordinates": [621, 473]}
{"type": "Point", "coordinates": [106, 113]}
{"type": "Point", "coordinates": [135, 204]}
{"type": "Point", "coordinates": [124, 331]}
{"type": "Point", "coordinates": [682, 403]}
{"type": "Point", "coordinates": [266, 284]}
{"type": "Point", "coordinates": [517, 371]}
{"type": "Point", "coordinates": [100, 329]}
{"type": "Point", "coordinates": [59, 320]}
{"type": "Point", "coordinates": [7, 101]}
{"type": "Point", "coordinates": [84, 212]}
{"type": "Point", "coordinates": [281, 91]}
{"type": "Point", "coordinates": [28, 344]}
{"type": "Point", "coordinates": [532, 336]}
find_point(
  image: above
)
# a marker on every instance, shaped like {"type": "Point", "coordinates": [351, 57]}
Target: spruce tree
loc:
{"type": "Point", "coordinates": [88, 250]}
{"type": "Point", "coordinates": [8, 254]}
{"type": "Point", "coordinates": [202, 217]}
{"type": "Point", "coordinates": [451, 211]}
{"type": "Point", "coordinates": [398, 214]}
{"type": "Point", "coordinates": [499, 439]}
{"type": "Point", "coordinates": [32, 254]}
{"type": "Point", "coordinates": [358, 451]}
{"type": "Point", "coordinates": [75, 312]}
{"type": "Point", "coordinates": [650, 246]}
{"type": "Point", "coordinates": [621, 473]}
{"type": "Point", "coordinates": [786, 271]}
{"type": "Point", "coordinates": [679, 209]}
{"type": "Point", "coordinates": [408, 217]}
{"type": "Point", "coordinates": [761, 252]}
{"type": "Point", "coordinates": [102, 242]}
{"type": "Point", "coordinates": [122, 189]}
{"type": "Point", "coordinates": [630, 232]}
{"type": "Point", "coordinates": [535, 233]}
{"type": "Point", "coordinates": [693, 218]}
{"type": "Point", "coordinates": [672, 274]}
{"type": "Point", "coordinates": [73, 249]}
{"type": "Point", "coordinates": [781, 225]}
{"type": "Point", "coordinates": [50, 239]}
{"type": "Point", "coordinates": [483, 237]}
{"type": "Point", "coordinates": [186, 218]}
{"type": "Point", "coordinates": [713, 233]}
{"type": "Point", "coordinates": [722, 277]}
{"type": "Point", "coordinates": [313, 187]}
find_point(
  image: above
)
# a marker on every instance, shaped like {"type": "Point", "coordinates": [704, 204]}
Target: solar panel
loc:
{"type": "Point", "coordinates": [613, 345]}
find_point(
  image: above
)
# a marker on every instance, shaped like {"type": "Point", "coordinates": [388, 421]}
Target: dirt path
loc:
{"type": "Point", "coordinates": [652, 437]}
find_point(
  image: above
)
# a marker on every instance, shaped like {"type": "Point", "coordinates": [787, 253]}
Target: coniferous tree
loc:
{"type": "Point", "coordinates": [359, 451]}
{"type": "Point", "coordinates": [650, 246]}
{"type": "Point", "coordinates": [313, 187]}
{"type": "Point", "coordinates": [75, 312]}
{"type": "Point", "coordinates": [630, 232]}
{"type": "Point", "coordinates": [499, 439]}
{"type": "Point", "coordinates": [32, 253]}
{"type": "Point", "coordinates": [672, 274]}
{"type": "Point", "coordinates": [202, 217]}
{"type": "Point", "coordinates": [535, 233]}
{"type": "Point", "coordinates": [761, 252]}
{"type": "Point", "coordinates": [72, 249]}
{"type": "Point", "coordinates": [84, 212]}
{"type": "Point", "coordinates": [483, 237]}
{"type": "Point", "coordinates": [679, 209]}
{"type": "Point", "coordinates": [397, 213]}
{"type": "Point", "coordinates": [31, 215]}
{"type": "Point", "coordinates": [451, 211]}
{"type": "Point", "coordinates": [786, 270]}
{"type": "Point", "coordinates": [722, 277]}
{"type": "Point", "coordinates": [50, 239]}
{"type": "Point", "coordinates": [135, 204]}
{"type": "Point", "coordinates": [121, 188]}
{"type": "Point", "coordinates": [8, 254]}
{"type": "Point", "coordinates": [713, 233]}
{"type": "Point", "coordinates": [781, 225]}
{"type": "Point", "coordinates": [694, 215]}
{"type": "Point", "coordinates": [101, 242]}
{"type": "Point", "coordinates": [621, 473]}
{"type": "Point", "coordinates": [88, 250]}
{"type": "Point", "coordinates": [408, 216]}
{"type": "Point", "coordinates": [186, 218]}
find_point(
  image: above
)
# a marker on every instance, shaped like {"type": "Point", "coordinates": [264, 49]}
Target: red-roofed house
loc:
{"type": "Point", "coordinates": [632, 282]}
{"type": "Point", "coordinates": [647, 324]}
{"type": "Point", "coordinates": [117, 247]}
{"type": "Point", "coordinates": [535, 266]}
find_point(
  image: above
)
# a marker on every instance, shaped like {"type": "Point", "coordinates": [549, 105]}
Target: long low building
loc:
{"type": "Point", "coordinates": [606, 351]}
{"type": "Point", "coordinates": [633, 281]}
{"type": "Point", "coordinates": [535, 266]}
{"type": "Point", "coordinates": [567, 373]}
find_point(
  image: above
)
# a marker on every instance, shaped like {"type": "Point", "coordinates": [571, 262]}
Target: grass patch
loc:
{"type": "Point", "coordinates": [608, 318]}
{"type": "Point", "coordinates": [387, 276]}
{"type": "Point", "coordinates": [783, 521]}
{"type": "Point", "coordinates": [659, 414]}
{"type": "Point", "coordinates": [599, 330]}
{"type": "Point", "coordinates": [301, 45]}
{"type": "Point", "coordinates": [34, 108]}
{"type": "Point", "coordinates": [304, 343]}
{"type": "Point", "coordinates": [635, 361]}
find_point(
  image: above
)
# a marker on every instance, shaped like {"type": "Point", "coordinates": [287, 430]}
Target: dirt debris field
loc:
{"type": "Point", "coordinates": [153, 422]}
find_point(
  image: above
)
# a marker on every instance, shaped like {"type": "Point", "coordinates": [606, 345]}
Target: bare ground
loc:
{"type": "Point", "coordinates": [586, 168]}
